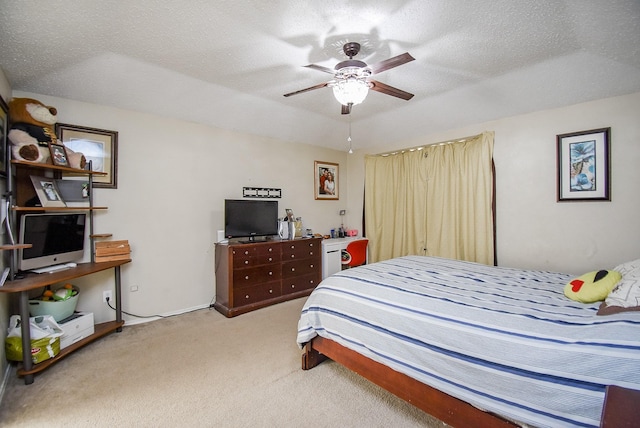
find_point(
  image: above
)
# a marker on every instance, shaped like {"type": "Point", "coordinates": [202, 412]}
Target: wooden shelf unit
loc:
{"type": "Point", "coordinates": [20, 190]}
{"type": "Point", "coordinates": [35, 281]}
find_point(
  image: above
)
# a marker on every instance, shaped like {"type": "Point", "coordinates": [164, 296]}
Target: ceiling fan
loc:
{"type": "Point", "coordinates": [351, 78]}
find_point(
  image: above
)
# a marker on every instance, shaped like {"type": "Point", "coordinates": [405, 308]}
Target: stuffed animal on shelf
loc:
{"type": "Point", "coordinates": [31, 131]}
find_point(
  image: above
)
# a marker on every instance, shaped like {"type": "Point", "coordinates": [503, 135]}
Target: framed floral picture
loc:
{"type": "Point", "coordinates": [326, 180]}
{"type": "Point", "coordinates": [583, 166]}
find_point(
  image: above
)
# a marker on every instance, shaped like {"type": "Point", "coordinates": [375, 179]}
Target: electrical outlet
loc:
{"type": "Point", "coordinates": [106, 295]}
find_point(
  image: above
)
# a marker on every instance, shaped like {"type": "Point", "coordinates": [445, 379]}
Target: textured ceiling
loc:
{"type": "Point", "coordinates": [228, 63]}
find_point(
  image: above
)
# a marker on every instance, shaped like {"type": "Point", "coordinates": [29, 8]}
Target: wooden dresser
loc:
{"type": "Point", "coordinates": [258, 274]}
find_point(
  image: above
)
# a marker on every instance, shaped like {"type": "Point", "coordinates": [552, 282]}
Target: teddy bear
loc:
{"type": "Point", "coordinates": [31, 131]}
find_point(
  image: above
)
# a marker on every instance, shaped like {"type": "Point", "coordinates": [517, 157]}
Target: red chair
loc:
{"type": "Point", "coordinates": [357, 253]}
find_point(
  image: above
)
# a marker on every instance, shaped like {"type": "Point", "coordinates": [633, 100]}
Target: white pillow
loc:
{"type": "Point", "coordinates": [626, 294]}
{"type": "Point", "coordinates": [629, 268]}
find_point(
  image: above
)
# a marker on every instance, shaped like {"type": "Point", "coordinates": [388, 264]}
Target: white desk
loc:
{"type": "Point", "coordinates": [332, 254]}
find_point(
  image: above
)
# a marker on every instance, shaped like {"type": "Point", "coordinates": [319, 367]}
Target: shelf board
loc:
{"type": "Point", "coordinates": [33, 281]}
{"type": "Point", "coordinates": [100, 330]}
{"type": "Point", "coordinates": [52, 167]}
{"type": "Point", "coordinates": [27, 209]}
{"type": "Point", "coordinates": [15, 247]}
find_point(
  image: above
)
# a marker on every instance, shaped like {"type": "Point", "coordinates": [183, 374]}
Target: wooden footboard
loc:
{"type": "Point", "coordinates": [621, 406]}
{"type": "Point", "coordinates": [448, 409]}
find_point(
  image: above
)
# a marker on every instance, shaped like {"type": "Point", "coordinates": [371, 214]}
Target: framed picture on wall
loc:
{"type": "Point", "coordinates": [4, 125]}
{"type": "Point", "coordinates": [583, 166]}
{"type": "Point", "coordinates": [97, 145]}
{"type": "Point", "coordinates": [326, 180]}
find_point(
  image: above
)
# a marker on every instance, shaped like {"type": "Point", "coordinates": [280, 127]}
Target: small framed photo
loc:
{"type": "Point", "coordinates": [47, 192]}
{"type": "Point", "coordinates": [326, 180]}
{"type": "Point", "coordinates": [583, 166]}
{"type": "Point", "coordinates": [58, 155]}
{"type": "Point", "coordinates": [99, 146]}
{"type": "Point", "coordinates": [289, 212]}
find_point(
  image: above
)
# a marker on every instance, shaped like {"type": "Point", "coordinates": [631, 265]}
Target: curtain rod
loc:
{"type": "Point", "coordinates": [411, 149]}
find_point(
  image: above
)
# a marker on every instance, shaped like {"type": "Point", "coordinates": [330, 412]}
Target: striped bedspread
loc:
{"type": "Point", "coordinates": [505, 340]}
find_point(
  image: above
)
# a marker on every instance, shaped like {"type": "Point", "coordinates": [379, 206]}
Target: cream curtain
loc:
{"type": "Point", "coordinates": [435, 200]}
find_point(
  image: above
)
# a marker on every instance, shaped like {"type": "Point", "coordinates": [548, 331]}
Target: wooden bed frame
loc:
{"type": "Point", "coordinates": [621, 407]}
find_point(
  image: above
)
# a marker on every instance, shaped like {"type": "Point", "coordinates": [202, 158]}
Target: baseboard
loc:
{"type": "Point", "coordinates": [132, 320]}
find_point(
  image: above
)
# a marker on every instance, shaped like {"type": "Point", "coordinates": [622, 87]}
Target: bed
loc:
{"type": "Point", "coordinates": [473, 344]}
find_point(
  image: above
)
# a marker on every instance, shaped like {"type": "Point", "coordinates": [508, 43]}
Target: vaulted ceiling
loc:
{"type": "Point", "coordinates": [228, 63]}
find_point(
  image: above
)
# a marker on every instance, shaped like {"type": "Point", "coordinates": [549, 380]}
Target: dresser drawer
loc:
{"type": "Point", "coordinates": [256, 275]}
{"type": "Point", "coordinates": [300, 249]}
{"type": "Point", "coordinates": [300, 283]}
{"type": "Point", "coordinates": [253, 255]}
{"type": "Point", "coordinates": [256, 293]}
{"type": "Point", "coordinates": [300, 267]}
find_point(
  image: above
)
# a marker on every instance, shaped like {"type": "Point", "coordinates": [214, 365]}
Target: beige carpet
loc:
{"type": "Point", "coordinates": [202, 369]}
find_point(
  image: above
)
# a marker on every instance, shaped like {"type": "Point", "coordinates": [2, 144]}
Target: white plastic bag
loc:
{"type": "Point", "coordinates": [45, 338]}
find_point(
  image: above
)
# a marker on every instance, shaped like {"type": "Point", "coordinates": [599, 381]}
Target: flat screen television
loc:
{"type": "Point", "coordinates": [55, 238]}
{"type": "Point", "coordinates": [248, 218]}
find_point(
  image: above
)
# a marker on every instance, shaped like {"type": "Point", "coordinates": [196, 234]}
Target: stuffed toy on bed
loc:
{"type": "Point", "coordinates": [31, 131]}
{"type": "Point", "coordinates": [593, 286]}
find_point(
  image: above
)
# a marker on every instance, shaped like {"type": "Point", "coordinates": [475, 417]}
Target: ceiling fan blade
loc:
{"type": "Point", "coordinates": [391, 63]}
{"type": "Point", "coordinates": [389, 90]}
{"type": "Point", "coordinates": [321, 68]}
{"type": "Point", "coordinates": [321, 85]}
{"type": "Point", "coordinates": [346, 109]}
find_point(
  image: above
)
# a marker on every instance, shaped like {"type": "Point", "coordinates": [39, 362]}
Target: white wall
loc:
{"type": "Point", "coordinates": [533, 230]}
{"type": "Point", "coordinates": [173, 177]}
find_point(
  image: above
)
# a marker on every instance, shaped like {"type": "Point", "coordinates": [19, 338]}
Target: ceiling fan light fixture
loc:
{"type": "Point", "coordinates": [350, 91]}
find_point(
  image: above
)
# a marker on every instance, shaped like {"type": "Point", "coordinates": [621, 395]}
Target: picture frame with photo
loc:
{"type": "Point", "coordinates": [59, 155]}
{"type": "Point", "coordinates": [47, 191]}
{"type": "Point", "coordinates": [326, 180]}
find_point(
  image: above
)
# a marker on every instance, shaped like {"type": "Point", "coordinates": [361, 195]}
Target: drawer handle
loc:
{"type": "Point", "coordinates": [293, 256]}
{"type": "Point", "coordinates": [293, 269]}
{"type": "Point", "coordinates": [270, 273]}
{"type": "Point", "coordinates": [311, 281]}
{"type": "Point", "coordinates": [246, 277]}
{"type": "Point", "coordinates": [270, 291]}
{"type": "Point", "coordinates": [270, 249]}
{"type": "Point", "coordinates": [270, 259]}
{"type": "Point", "coordinates": [246, 262]}
{"type": "Point", "coordinates": [246, 252]}
{"type": "Point", "coordinates": [246, 297]}
{"type": "Point", "coordinates": [293, 246]}
{"type": "Point", "coordinates": [293, 286]}
{"type": "Point", "coordinates": [311, 266]}
{"type": "Point", "coordinates": [311, 253]}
